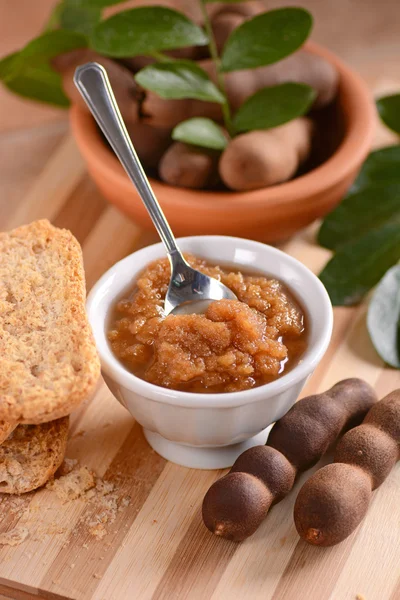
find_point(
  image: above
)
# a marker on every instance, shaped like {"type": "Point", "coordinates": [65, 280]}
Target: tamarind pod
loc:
{"type": "Point", "coordinates": [309, 428]}
{"type": "Point", "coordinates": [150, 142]}
{"type": "Point", "coordinates": [245, 9]}
{"type": "Point", "coordinates": [266, 157]}
{"type": "Point", "coordinates": [189, 166]}
{"type": "Point", "coordinates": [135, 63]}
{"type": "Point", "coordinates": [299, 67]}
{"type": "Point", "coordinates": [222, 26]}
{"type": "Point", "coordinates": [235, 505]}
{"type": "Point", "coordinates": [334, 501]}
{"type": "Point", "coordinates": [127, 92]}
{"type": "Point", "coordinates": [159, 112]}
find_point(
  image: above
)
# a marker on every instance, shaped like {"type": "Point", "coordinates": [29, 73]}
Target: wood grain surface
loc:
{"type": "Point", "coordinates": [157, 547]}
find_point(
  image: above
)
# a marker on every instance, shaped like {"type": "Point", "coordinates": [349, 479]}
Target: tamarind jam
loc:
{"type": "Point", "coordinates": [236, 345]}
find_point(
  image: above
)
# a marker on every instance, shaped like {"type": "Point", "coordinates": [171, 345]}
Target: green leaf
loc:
{"type": "Point", "coordinates": [8, 66]}
{"type": "Point", "coordinates": [383, 319]}
{"type": "Point", "coordinates": [145, 30]}
{"type": "Point", "coordinates": [77, 16]}
{"type": "Point", "coordinates": [359, 213]}
{"type": "Point", "coordinates": [358, 266]}
{"type": "Point", "coordinates": [179, 79]}
{"type": "Point", "coordinates": [266, 38]}
{"type": "Point", "coordinates": [39, 82]}
{"type": "Point", "coordinates": [381, 166]}
{"type": "Point", "coordinates": [102, 3]}
{"type": "Point", "coordinates": [28, 72]}
{"type": "Point", "coordinates": [274, 106]}
{"type": "Point", "coordinates": [51, 44]}
{"type": "Point", "coordinates": [200, 132]}
{"type": "Point", "coordinates": [389, 111]}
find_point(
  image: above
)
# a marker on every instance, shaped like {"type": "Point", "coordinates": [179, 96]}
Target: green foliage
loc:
{"type": "Point", "coordinates": [200, 132]}
{"type": "Point", "coordinates": [266, 38]}
{"type": "Point", "coordinates": [39, 82]}
{"type": "Point", "coordinates": [361, 212]}
{"type": "Point", "coordinates": [364, 229]}
{"type": "Point", "coordinates": [145, 30]}
{"type": "Point", "coordinates": [274, 106]}
{"type": "Point", "coordinates": [75, 15]}
{"type": "Point", "coordinates": [381, 167]}
{"type": "Point", "coordinates": [389, 111]}
{"type": "Point", "coordinates": [358, 265]}
{"type": "Point", "coordinates": [28, 72]}
{"type": "Point", "coordinates": [179, 79]}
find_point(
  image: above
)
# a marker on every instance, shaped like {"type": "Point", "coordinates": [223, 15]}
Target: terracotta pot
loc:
{"type": "Point", "coordinates": [269, 214]}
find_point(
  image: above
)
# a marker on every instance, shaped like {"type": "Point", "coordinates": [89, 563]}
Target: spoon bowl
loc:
{"type": "Point", "coordinates": [187, 286]}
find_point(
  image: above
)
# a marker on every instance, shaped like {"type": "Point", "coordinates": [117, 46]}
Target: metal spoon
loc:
{"type": "Point", "coordinates": [186, 285]}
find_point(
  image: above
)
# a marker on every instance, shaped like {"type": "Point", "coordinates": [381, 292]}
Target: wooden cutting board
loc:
{"type": "Point", "coordinates": [154, 544]}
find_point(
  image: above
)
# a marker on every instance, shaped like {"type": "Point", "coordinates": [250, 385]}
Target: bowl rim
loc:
{"type": "Point", "coordinates": [119, 374]}
{"type": "Point", "coordinates": [357, 140]}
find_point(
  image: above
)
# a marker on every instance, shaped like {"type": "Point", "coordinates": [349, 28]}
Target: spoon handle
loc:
{"type": "Point", "coordinates": [92, 82]}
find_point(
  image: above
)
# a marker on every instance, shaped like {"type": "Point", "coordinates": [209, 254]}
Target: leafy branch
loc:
{"type": "Point", "coordinates": [364, 233]}
{"type": "Point", "coordinates": [153, 30]}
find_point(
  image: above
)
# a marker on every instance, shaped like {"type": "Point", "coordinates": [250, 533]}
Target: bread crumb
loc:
{"type": "Point", "coordinates": [125, 502]}
{"type": "Point", "coordinates": [74, 484]}
{"type": "Point", "coordinates": [97, 576]}
{"type": "Point", "coordinates": [360, 597]}
{"type": "Point", "coordinates": [14, 537]}
{"type": "Point", "coordinates": [85, 546]}
{"type": "Point", "coordinates": [72, 566]}
{"type": "Point", "coordinates": [98, 531]}
{"type": "Point", "coordinates": [68, 465]}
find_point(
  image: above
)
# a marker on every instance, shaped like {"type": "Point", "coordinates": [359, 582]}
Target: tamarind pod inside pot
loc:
{"type": "Point", "coordinates": [189, 166]}
{"type": "Point", "coordinates": [222, 26]}
{"type": "Point", "coordinates": [245, 9]}
{"type": "Point", "coordinates": [127, 93]}
{"type": "Point", "coordinates": [235, 505]}
{"type": "Point", "coordinates": [267, 157]}
{"type": "Point", "coordinates": [334, 501]}
{"type": "Point", "coordinates": [299, 67]}
{"type": "Point", "coordinates": [135, 63]}
{"type": "Point", "coordinates": [150, 142]}
{"type": "Point", "coordinates": [159, 112]}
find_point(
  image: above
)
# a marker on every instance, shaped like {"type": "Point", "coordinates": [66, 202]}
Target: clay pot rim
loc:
{"type": "Point", "coordinates": [357, 140]}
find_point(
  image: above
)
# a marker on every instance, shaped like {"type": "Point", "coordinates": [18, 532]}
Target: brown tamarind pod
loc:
{"type": "Point", "coordinates": [235, 505]}
{"type": "Point", "coordinates": [222, 26]}
{"type": "Point", "coordinates": [245, 9]}
{"type": "Point", "coordinates": [327, 415]}
{"type": "Point", "coordinates": [160, 112]}
{"type": "Point", "coordinates": [334, 501]}
{"type": "Point", "coordinates": [150, 142]}
{"type": "Point", "coordinates": [135, 63]}
{"type": "Point", "coordinates": [258, 159]}
{"type": "Point", "coordinates": [127, 92]}
{"type": "Point", "coordinates": [300, 67]}
{"type": "Point", "coordinates": [189, 166]}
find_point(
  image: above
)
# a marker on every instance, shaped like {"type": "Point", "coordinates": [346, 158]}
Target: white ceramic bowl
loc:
{"type": "Point", "coordinates": [209, 431]}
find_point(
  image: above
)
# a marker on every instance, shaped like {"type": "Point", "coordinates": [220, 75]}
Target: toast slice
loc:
{"type": "Point", "coordinates": [31, 455]}
{"type": "Point", "coordinates": [5, 429]}
{"type": "Point", "coordinates": [48, 360]}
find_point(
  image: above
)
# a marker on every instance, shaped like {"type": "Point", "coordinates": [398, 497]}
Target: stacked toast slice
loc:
{"type": "Point", "coordinates": [48, 360]}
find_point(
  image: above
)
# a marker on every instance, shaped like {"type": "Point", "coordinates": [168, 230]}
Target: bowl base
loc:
{"type": "Point", "coordinates": [196, 457]}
